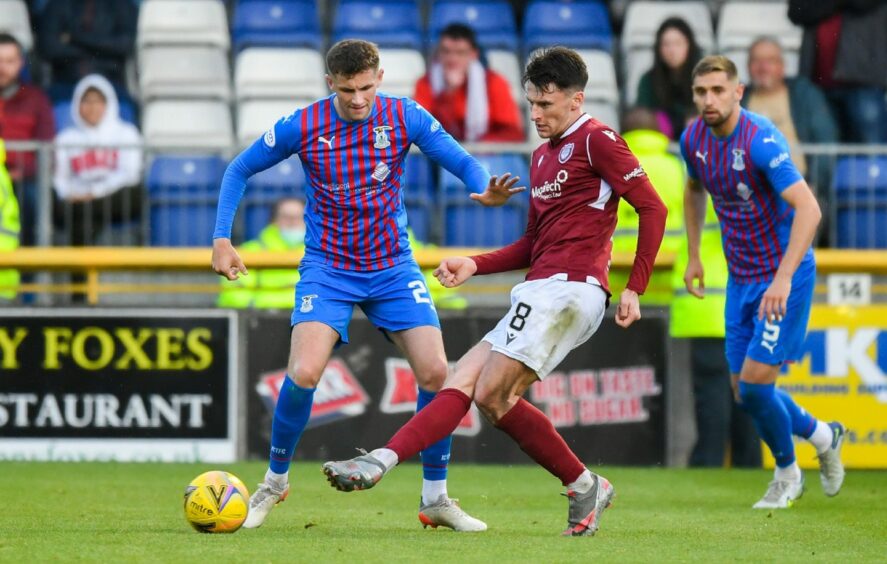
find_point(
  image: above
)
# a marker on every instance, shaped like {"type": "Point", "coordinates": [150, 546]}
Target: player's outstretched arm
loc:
{"type": "Point", "coordinates": [225, 259]}
{"type": "Point", "coordinates": [694, 218]}
{"type": "Point", "coordinates": [454, 271]}
{"type": "Point", "coordinates": [806, 220]}
{"type": "Point", "coordinates": [499, 189]}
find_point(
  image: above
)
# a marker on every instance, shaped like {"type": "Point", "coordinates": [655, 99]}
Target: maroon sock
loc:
{"type": "Point", "coordinates": [436, 420]}
{"type": "Point", "coordinates": [537, 437]}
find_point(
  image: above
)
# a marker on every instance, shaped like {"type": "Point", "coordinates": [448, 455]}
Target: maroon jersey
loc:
{"type": "Point", "coordinates": [575, 184]}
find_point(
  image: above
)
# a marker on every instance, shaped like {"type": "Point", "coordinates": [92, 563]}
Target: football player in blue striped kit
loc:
{"type": "Point", "coordinates": [352, 145]}
{"type": "Point", "coordinates": [768, 218]}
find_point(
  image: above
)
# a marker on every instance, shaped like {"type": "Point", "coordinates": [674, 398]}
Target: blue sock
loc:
{"type": "Point", "coordinates": [803, 424]}
{"type": "Point", "coordinates": [436, 457]}
{"type": "Point", "coordinates": [290, 417]}
{"type": "Point", "coordinates": [771, 419]}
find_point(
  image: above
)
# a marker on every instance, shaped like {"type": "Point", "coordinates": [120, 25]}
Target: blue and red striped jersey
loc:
{"type": "Point", "coordinates": [355, 216]}
{"type": "Point", "coordinates": [745, 174]}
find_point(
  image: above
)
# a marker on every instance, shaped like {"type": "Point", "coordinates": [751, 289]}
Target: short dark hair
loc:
{"type": "Point", "coordinates": [9, 39]}
{"type": "Point", "coordinates": [560, 66]}
{"type": "Point", "coordinates": [352, 56]}
{"type": "Point", "coordinates": [461, 31]}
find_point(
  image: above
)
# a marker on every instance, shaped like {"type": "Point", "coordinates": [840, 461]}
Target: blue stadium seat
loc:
{"type": "Point", "coordinates": [468, 224]}
{"type": "Point", "coordinates": [419, 220]}
{"type": "Point", "coordinates": [276, 23]}
{"type": "Point", "coordinates": [497, 164]}
{"type": "Point", "coordinates": [264, 189]}
{"type": "Point", "coordinates": [860, 188]}
{"type": "Point", "coordinates": [582, 25]}
{"type": "Point", "coordinates": [182, 194]}
{"type": "Point", "coordinates": [388, 23]}
{"type": "Point", "coordinates": [492, 21]}
{"type": "Point", "coordinates": [418, 179]}
{"type": "Point", "coordinates": [62, 113]}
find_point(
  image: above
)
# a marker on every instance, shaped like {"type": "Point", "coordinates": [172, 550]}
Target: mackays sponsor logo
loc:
{"type": "Point", "coordinates": [339, 395]}
{"type": "Point", "coordinates": [94, 348]}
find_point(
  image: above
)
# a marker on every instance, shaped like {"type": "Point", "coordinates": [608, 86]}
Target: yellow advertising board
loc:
{"type": "Point", "coordinates": [843, 377]}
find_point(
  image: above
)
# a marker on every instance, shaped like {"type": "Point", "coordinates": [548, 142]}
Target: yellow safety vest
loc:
{"type": "Point", "coordinates": [690, 316]}
{"type": "Point", "coordinates": [443, 297]}
{"type": "Point", "coordinates": [263, 288]}
{"type": "Point", "coordinates": [666, 173]}
{"type": "Point", "coordinates": [10, 227]}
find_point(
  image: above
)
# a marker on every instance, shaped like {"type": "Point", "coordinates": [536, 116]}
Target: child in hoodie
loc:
{"type": "Point", "coordinates": [98, 164]}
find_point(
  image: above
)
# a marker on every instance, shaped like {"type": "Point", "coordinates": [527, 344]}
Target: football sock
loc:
{"type": "Point", "coordinates": [537, 437]}
{"type": "Point", "coordinates": [803, 424]}
{"type": "Point", "coordinates": [791, 473]}
{"type": "Point", "coordinates": [290, 417]}
{"type": "Point", "coordinates": [275, 479]}
{"type": "Point", "coordinates": [386, 456]}
{"type": "Point", "coordinates": [436, 420]}
{"type": "Point", "coordinates": [432, 490]}
{"type": "Point", "coordinates": [822, 437]}
{"type": "Point", "coordinates": [771, 419]}
{"type": "Point", "coordinates": [435, 457]}
{"type": "Point", "coordinates": [584, 483]}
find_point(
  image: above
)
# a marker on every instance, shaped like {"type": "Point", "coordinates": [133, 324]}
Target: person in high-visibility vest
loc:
{"type": "Point", "coordinates": [719, 420]}
{"type": "Point", "coordinates": [443, 297]}
{"type": "Point", "coordinates": [271, 288]}
{"type": "Point", "coordinates": [666, 172]}
{"type": "Point", "coordinates": [10, 228]}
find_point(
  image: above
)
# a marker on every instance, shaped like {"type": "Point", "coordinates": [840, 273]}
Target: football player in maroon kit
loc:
{"type": "Point", "coordinates": [577, 178]}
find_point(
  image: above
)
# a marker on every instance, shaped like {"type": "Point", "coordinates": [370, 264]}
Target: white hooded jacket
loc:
{"type": "Point", "coordinates": [88, 160]}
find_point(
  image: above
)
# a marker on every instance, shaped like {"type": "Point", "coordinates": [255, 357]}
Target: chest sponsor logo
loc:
{"type": "Point", "coordinates": [566, 152]}
{"type": "Point", "coordinates": [636, 173]}
{"type": "Point", "coordinates": [743, 190]}
{"type": "Point", "coordinates": [328, 142]}
{"type": "Point", "coordinates": [381, 140]}
{"type": "Point", "coordinates": [702, 156]}
{"type": "Point", "coordinates": [738, 159]}
{"type": "Point", "coordinates": [551, 188]}
{"type": "Point", "coordinates": [381, 171]}
{"type": "Point", "coordinates": [778, 160]}
{"type": "Point", "coordinates": [269, 138]}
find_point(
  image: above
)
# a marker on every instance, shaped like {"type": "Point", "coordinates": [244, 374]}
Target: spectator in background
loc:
{"type": "Point", "coordinates": [9, 229]}
{"type": "Point", "coordinates": [270, 288]}
{"type": "Point", "coordinates": [98, 166]}
{"type": "Point", "coordinates": [25, 115]}
{"type": "Point", "coordinates": [81, 37]}
{"type": "Point", "coordinates": [844, 52]}
{"type": "Point", "coordinates": [666, 88]}
{"type": "Point", "coordinates": [471, 102]}
{"type": "Point", "coordinates": [797, 108]}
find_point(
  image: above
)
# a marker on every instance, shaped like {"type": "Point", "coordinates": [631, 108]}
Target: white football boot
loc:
{"type": "Point", "coordinates": [261, 503]}
{"type": "Point", "coordinates": [781, 494]}
{"type": "Point", "coordinates": [831, 469]}
{"type": "Point", "coordinates": [445, 512]}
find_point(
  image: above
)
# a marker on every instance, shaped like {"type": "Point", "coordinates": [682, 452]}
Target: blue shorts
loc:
{"type": "Point", "coordinates": [394, 299]}
{"type": "Point", "coordinates": [770, 343]}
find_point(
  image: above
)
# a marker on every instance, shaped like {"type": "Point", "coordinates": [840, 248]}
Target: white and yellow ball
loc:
{"type": "Point", "coordinates": [216, 502]}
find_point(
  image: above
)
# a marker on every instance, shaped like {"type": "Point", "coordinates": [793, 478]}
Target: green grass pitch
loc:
{"type": "Point", "coordinates": [133, 512]}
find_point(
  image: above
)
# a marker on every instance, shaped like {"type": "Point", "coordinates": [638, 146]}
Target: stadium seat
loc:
{"type": "Point", "coordinates": [580, 25]}
{"type": "Point", "coordinates": [601, 85]}
{"type": "Point", "coordinates": [493, 22]}
{"type": "Point", "coordinates": [418, 179]}
{"type": "Point", "coordinates": [62, 113]}
{"type": "Point", "coordinates": [516, 164]}
{"type": "Point", "coordinates": [506, 64]}
{"type": "Point", "coordinates": [182, 196]}
{"type": "Point", "coordinates": [605, 113]}
{"type": "Point", "coordinates": [262, 72]}
{"type": "Point", "coordinates": [255, 117]}
{"type": "Point", "coordinates": [14, 21]}
{"type": "Point", "coordinates": [642, 20]}
{"type": "Point", "coordinates": [265, 188]}
{"type": "Point", "coordinates": [403, 68]}
{"type": "Point", "coordinates": [740, 58]}
{"type": "Point", "coordinates": [419, 219]}
{"type": "Point", "coordinates": [276, 23]}
{"type": "Point", "coordinates": [388, 24]}
{"type": "Point", "coordinates": [468, 224]}
{"type": "Point", "coordinates": [184, 72]}
{"type": "Point", "coordinates": [183, 22]}
{"type": "Point", "coordinates": [741, 23]}
{"type": "Point", "coordinates": [188, 124]}
{"type": "Point", "coordinates": [860, 191]}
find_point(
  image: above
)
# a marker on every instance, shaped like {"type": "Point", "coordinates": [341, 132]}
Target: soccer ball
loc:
{"type": "Point", "coordinates": [216, 502]}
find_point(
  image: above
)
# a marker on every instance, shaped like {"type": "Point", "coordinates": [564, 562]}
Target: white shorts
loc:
{"type": "Point", "coordinates": [548, 318]}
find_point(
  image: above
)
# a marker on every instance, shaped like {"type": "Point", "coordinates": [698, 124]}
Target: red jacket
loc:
{"type": "Point", "coordinates": [26, 116]}
{"type": "Point", "coordinates": [449, 109]}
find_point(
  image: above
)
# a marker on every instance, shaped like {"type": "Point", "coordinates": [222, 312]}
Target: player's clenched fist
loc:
{"type": "Point", "coordinates": [226, 261]}
{"type": "Point", "coordinates": [629, 310]}
{"type": "Point", "coordinates": [455, 270]}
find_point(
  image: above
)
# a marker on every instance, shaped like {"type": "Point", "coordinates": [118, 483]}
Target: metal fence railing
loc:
{"type": "Point", "coordinates": [174, 205]}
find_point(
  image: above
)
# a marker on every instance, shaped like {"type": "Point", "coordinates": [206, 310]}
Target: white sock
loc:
{"type": "Point", "coordinates": [432, 490]}
{"type": "Point", "coordinates": [277, 479]}
{"type": "Point", "coordinates": [822, 436]}
{"type": "Point", "coordinates": [583, 483]}
{"type": "Point", "coordinates": [791, 473]}
{"type": "Point", "coordinates": [386, 456]}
